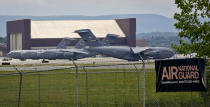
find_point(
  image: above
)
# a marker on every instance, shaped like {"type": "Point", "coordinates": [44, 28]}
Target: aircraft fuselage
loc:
{"type": "Point", "coordinates": [50, 54]}
{"type": "Point", "coordinates": [127, 53]}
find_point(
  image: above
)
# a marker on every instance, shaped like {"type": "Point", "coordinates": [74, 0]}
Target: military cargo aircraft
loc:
{"type": "Point", "coordinates": [123, 52]}
{"type": "Point", "coordinates": [60, 52]}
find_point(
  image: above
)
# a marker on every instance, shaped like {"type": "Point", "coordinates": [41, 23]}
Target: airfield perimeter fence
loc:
{"type": "Point", "coordinates": [114, 85]}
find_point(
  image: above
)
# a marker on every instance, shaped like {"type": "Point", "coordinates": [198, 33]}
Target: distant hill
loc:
{"type": "Point", "coordinates": [161, 39]}
{"type": "Point", "coordinates": [145, 22]}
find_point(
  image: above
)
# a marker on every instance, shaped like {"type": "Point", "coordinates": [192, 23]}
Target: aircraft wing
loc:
{"type": "Point", "coordinates": [137, 50]}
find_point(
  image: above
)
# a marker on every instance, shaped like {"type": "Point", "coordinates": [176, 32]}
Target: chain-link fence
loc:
{"type": "Point", "coordinates": [116, 85]}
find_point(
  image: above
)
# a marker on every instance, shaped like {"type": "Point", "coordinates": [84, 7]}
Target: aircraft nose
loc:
{"type": "Point", "coordinates": [170, 53]}
{"type": "Point", "coordinates": [13, 54]}
{"type": "Point", "coordinates": [166, 53]}
{"type": "Point", "coordinates": [10, 54]}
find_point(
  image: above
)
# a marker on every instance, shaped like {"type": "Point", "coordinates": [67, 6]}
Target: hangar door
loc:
{"type": "Point", "coordinates": [16, 41]}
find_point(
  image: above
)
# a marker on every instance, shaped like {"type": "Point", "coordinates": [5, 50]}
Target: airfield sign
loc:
{"type": "Point", "coordinates": [180, 75]}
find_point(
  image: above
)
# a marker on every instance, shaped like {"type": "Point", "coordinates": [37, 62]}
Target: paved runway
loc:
{"type": "Point", "coordinates": [98, 60]}
{"type": "Point", "coordinates": [64, 64]}
{"type": "Point", "coordinates": [107, 63]}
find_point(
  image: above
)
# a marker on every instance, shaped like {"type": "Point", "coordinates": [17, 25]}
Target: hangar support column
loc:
{"type": "Point", "coordinates": [18, 34]}
{"type": "Point", "coordinates": [128, 27]}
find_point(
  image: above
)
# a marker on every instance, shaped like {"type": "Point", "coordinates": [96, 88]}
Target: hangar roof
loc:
{"type": "Point", "coordinates": [66, 28]}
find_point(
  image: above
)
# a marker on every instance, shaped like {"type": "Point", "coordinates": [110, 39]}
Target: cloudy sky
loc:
{"type": "Point", "coordinates": [87, 7]}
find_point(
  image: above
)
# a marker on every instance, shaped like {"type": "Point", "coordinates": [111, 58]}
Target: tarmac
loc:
{"type": "Point", "coordinates": [97, 60]}
{"type": "Point", "coordinates": [88, 63]}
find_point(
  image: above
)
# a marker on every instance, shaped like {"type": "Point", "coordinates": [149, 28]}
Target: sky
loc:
{"type": "Point", "coordinates": [87, 7]}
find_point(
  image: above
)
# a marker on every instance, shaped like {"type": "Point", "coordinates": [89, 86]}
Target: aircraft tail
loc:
{"type": "Point", "coordinates": [64, 43]}
{"type": "Point", "coordinates": [80, 44]}
{"type": "Point", "coordinates": [89, 38]}
{"type": "Point", "coordinates": [110, 39]}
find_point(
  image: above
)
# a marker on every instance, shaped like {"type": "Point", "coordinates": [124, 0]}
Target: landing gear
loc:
{"type": "Point", "coordinates": [22, 59]}
{"type": "Point", "coordinates": [45, 61]}
{"type": "Point", "coordinates": [5, 61]}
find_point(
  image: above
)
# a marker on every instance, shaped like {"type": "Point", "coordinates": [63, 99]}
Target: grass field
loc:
{"type": "Point", "coordinates": [104, 90]}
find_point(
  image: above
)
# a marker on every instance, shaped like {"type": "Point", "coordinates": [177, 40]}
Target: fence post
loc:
{"type": "Point", "coordinates": [39, 88]}
{"type": "Point", "coordinates": [76, 83]}
{"type": "Point", "coordinates": [190, 98]}
{"type": "Point", "coordinates": [86, 77]}
{"type": "Point", "coordinates": [20, 87]}
{"type": "Point", "coordinates": [138, 84]}
{"type": "Point", "coordinates": [143, 82]}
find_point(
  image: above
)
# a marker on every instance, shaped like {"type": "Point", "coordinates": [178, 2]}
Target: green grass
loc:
{"type": "Point", "coordinates": [104, 90]}
{"type": "Point", "coordinates": [82, 70]}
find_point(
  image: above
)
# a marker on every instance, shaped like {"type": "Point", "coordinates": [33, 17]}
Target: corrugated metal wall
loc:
{"type": "Point", "coordinates": [16, 41]}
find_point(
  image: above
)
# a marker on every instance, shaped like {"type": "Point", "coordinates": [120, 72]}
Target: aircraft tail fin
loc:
{"type": "Point", "coordinates": [64, 43]}
{"type": "Point", "coordinates": [110, 39]}
{"type": "Point", "coordinates": [80, 44]}
{"type": "Point", "coordinates": [89, 38]}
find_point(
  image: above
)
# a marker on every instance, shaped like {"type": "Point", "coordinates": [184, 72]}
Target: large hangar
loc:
{"type": "Point", "coordinates": [31, 34]}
